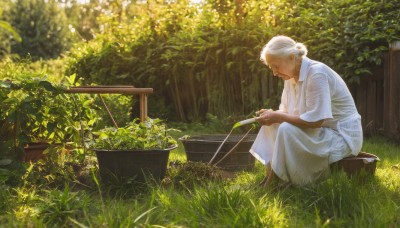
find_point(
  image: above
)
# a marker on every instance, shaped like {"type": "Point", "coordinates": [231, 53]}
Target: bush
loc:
{"type": "Point", "coordinates": [350, 36]}
{"type": "Point", "coordinates": [205, 59]}
{"type": "Point", "coordinates": [42, 26]}
{"type": "Point", "coordinates": [196, 64]}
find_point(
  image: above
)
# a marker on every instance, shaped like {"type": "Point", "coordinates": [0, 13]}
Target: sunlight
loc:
{"type": "Point", "coordinates": [83, 1]}
{"type": "Point", "coordinates": [88, 1]}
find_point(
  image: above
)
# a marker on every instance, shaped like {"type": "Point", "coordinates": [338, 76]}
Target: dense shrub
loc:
{"type": "Point", "coordinates": [195, 63]}
{"type": "Point", "coordinates": [204, 58]}
{"type": "Point", "coordinates": [42, 26]}
{"type": "Point", "coordinates": [7, 34]}
{"type": "Point", "coordinates": [349, 35]}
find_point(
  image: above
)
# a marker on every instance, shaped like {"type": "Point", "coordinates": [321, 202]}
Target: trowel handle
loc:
{"type": "Point", "coordinates": [248, 121]}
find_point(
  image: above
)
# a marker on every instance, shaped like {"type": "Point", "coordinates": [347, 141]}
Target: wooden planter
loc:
{"type": "Point", "coordinates": [138, 165]}
{"type": "Point", "coordinates": [202, 148]}
{"type": "Point", "coordinates": [363, 162]}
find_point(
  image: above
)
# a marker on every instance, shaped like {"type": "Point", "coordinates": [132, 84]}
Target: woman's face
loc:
{"type": "Point", "coordinates": [282, 67]}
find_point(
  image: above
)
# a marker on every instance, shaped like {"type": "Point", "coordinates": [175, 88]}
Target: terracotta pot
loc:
{"type": "Point", "coordinates": [34, 151]}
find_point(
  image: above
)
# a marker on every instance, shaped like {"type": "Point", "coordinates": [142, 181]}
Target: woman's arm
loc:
{"type": "Point", "coordinates": [268, 117]}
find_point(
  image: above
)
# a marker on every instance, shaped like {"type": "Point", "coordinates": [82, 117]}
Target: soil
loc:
{"type": "Point", "coordinates": [190, 174]}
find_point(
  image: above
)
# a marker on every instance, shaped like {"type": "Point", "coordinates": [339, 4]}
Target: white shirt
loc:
{"type": "Point", "coordinates": [321, 94]}
{"type": "Point", "coordinates": [302, 155]}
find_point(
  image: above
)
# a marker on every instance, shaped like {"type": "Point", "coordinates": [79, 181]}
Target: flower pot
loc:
{"type": "Point", "coordinates": [201, 148]}
{"type": "Point", "coordinates": [136, 164]}
{"type": "Point", "coordinates": [34, 151]}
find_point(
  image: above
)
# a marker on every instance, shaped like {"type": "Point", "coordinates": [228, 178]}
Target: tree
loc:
{"type": "Point", "coordinates": [83, 17]}
{"type": "Point", "coordinates": [7, 34]}
{"type": "Point", "coordinates": [42, 26]}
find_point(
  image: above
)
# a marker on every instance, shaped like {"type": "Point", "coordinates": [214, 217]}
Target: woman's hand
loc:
{"type": "Point", "coordinates": [261, 111]}
{"type": "Point", "coordinates": [268, 117]}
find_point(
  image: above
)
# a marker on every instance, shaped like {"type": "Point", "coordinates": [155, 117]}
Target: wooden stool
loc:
{"type": "Point", "coordinates": [354, 164]}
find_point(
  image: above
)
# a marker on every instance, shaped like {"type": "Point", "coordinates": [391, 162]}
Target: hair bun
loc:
{"type": "Point", "coordinates": [301, 49]}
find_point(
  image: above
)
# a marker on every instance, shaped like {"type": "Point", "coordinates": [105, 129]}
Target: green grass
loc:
{"type": "Point", "coordinates": [339, 201]}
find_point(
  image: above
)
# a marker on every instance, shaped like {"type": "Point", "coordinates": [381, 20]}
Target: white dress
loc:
{"type": "Point", "coordinates": [302, 155]}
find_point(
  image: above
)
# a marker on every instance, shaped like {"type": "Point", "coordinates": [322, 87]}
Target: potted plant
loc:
{"type": "Point", "coordinates": [137, 151]}
{"type": "Point", "coordinates": [41, 116]}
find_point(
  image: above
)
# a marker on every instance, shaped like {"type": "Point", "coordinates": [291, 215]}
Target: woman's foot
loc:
{"type": "Point", "coordinates": [263, 181]}
{"type": "Point", "coordinates": [268, 170]}
{"type": "Point", "coordinates": [272, 179]}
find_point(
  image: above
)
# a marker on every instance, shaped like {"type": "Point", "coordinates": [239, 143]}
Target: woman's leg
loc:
{"type": "Point", "coordinates": [272, 179]}
{"type": "Point", "coordinates": [268, 170]}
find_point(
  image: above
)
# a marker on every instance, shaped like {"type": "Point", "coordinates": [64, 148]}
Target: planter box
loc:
{"type": "Point", "coordinates": [202, 148]}
{"type": "Point", "coordinates": [136, 164]}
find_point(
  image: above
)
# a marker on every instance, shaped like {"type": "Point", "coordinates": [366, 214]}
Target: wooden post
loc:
{"type": "Point", "coordinates": [143, 107]}
{"type": "Point", "coordinates": [127, 90]}
{"type": "Point", "coordinates": [391, 98]}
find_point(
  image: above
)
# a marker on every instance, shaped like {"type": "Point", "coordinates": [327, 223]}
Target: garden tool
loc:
{"type": "Point", "coordinates": [236, 125]}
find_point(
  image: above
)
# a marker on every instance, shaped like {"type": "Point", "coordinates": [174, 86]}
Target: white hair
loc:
{"type": "Point", "coordinates": [282, 46]}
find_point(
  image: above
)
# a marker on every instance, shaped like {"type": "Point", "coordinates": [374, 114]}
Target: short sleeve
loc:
{"type": "Point", "coordinates": [318, 99]}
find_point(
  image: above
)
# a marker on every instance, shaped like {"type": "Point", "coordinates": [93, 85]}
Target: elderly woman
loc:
{"type": "Point", "coordinates": [317, 122]}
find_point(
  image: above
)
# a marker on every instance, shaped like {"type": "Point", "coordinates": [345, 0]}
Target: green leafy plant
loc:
{"type": "Point", "coordinates": [150, 134]}
{"type": "Point", "coordinates": [38, 110]}
{"type": "Point", "coordinates": [63, 207]}
{"type": "Point", "coordinates": [34, 110]}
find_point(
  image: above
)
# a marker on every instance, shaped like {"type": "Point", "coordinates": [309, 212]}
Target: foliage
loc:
{"type": "Point", "coordinates": [203, 60]}
{"type": "Point", "coordinates": [35, 110]}
{"type": "Point", "coordinates": [224, 71]}
{"type": "Point", "coordinates": [82, 18]}
{"type": "Point", "coordinates": [120, 106]}
{"type": "Point", "coordinates": [32, 110]}
{"type": "Point", "coordinates": [351, 36]}
{"type": "Point", "coordinates": [5, 25]}
{"type": "Point", "coordinates": [44, 30]}
{"type": "Point", "coordinates": [63, 207]}
{"type": "Point", "coordinates": [212, 49]}
{"type": "Point", "coordinates": [337, 201]}
{"type": "Point", "coordinates": [8, 35]}
{"type": "Point", "coordinates": [150, 134]}
{"type": "Point", "coordinates": [36, 120]}
{"type": "Point", "coordinates": [52, 171]}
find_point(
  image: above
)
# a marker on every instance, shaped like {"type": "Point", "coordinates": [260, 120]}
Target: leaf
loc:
{"type": "Point", "coordinates": [7, 26]}
{"type": "Point", "coordinates": [4, 162]}
{"type": "Point", "coordinates": [71, 79]}
{"type": "Point", "coordinates": [6, 84]}
{"type": "Point", "coordinates": [48, 86]}
{"type": "Point", "coordinates": [143, 214]}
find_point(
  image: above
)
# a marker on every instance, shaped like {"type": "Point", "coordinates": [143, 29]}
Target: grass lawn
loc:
{"type": "Point", "coordinates": [336, 202]}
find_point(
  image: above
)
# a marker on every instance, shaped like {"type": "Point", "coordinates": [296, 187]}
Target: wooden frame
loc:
{"type": "Point", "coordinates": [126, 90]}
